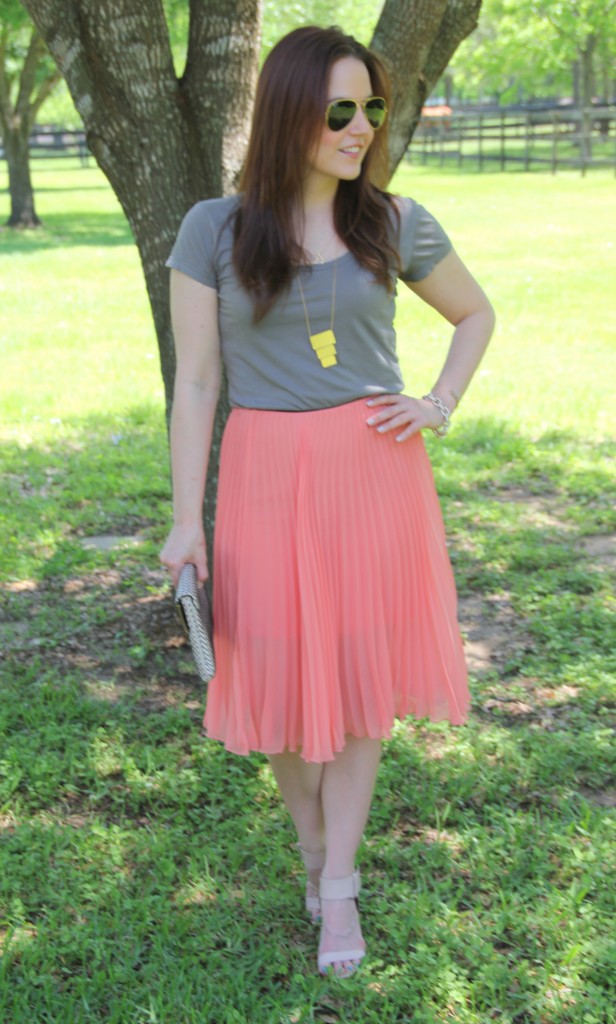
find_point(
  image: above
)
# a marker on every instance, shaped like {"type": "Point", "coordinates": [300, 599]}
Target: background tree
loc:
{"type": "Point", "coordinates": [28, 76]}
{"type": "Point", "coordinates": [533, 48]}
{"type": "Point", "coordinates": [165, 140]}
{"type": "Point", "coordinates": [579, 28]}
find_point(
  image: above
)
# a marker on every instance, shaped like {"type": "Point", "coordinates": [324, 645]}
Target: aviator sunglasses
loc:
{"type": "Point", "coordinates": [340, 113]}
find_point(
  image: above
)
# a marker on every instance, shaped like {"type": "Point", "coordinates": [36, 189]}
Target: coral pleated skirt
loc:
{"type": "Point", "coordinates": [334, 599]}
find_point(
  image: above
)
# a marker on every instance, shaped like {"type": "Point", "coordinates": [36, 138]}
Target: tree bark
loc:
{"type": "Point", "coordinates": [417, 39]}
{"type": "Point", "coordinates": [575, 79]}
{"type": "Point", "coordinates": [23, 213]}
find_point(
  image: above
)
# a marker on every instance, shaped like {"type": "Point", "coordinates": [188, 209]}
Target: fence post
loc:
{"type": "Point", "coordinates": [527, 143]}
{"type": "Point", "coordinates": [441, 141]}
{"type": "Point", "coordinates": [554, 142]}
{"type": "Point", "coordinates": [502, 141]}
{"type": "Point", "coordinates": [480, 140]}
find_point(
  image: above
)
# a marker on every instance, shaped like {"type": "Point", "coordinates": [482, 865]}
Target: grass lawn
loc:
{"type": "Point", "coordinates": [147, 876]}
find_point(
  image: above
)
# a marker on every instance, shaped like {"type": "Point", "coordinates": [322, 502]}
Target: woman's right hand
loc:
{"type": "Point", "coordinates": [185, 544]}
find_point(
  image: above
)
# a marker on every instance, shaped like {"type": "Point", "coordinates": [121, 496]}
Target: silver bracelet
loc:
{"type": "Point", "coordinates": [444, 411]}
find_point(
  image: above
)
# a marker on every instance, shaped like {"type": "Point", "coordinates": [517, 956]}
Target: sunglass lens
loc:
{"type": "Point", "coordinates": [376, 112]}
{"type": "Point", "coordinates": [340, 114]}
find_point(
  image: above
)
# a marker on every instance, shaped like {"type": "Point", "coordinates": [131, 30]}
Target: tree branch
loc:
{"type": "Point", "coordinates": [402, 36]}
{"type": "Point", "coordinates": [45, 89]}
{"type": "Point", "coordinates": [27, 78]}
{"type": "Point", "coordinates": [461, 17]}
{"type": "Point", "coordinates": [219, 81]}
{"type": "Point", "coordinates": [4, 82]}
{"type": "Point", "coordinates": [99, 45]}
{"type": "Point", "coordinates": [417, 39]}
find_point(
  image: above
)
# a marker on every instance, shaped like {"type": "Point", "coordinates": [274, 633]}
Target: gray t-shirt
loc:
{"type": "Point", "coordinates": [272, 365]}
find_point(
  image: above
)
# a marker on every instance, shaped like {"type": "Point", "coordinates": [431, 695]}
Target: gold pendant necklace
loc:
{"type": "Point", "coordinates": [319, 257]}
{"type": "Point", "coordinates": [323, 343]}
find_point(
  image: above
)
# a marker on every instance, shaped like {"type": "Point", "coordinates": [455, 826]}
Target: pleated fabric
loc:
{"type": "Point", "coordinates": [335, 607]}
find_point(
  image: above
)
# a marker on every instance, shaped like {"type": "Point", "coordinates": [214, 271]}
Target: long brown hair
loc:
{"type": "Point", "coordinates": [287, 122]}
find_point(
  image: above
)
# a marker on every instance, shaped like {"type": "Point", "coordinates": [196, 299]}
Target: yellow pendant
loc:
{"type": "Point", "coordinates": [324, 344]}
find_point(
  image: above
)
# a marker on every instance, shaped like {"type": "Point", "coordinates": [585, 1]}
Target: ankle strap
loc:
{"type": "Point", "coordinates": [340, 888]}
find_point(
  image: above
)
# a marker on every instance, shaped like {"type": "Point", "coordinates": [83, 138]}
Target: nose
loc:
{"type": "Point", "coordinates": [360, 123]}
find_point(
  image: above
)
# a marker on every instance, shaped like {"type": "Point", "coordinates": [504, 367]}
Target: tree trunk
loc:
{"type": "Point", "coordinates": [16, 120]}
{"type": "Point", "coordinates": [417, 40]}
{"type": "Point", "coordinates": [575, 81]}
{"type": "Point", "coordinates": [163, 143]}
{"type": "Point", "coordinates": [586, 76]}
{"type": "Point", "coordinates": [23, 214]}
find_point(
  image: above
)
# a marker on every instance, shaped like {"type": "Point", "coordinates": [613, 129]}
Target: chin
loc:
{"type": "Point", "coordinates": [350, 173]}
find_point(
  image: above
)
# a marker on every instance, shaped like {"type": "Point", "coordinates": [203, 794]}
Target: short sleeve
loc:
{"type": "Point", "coordinates": [423, 242]}
{"type": "Point", "coordinates": [194, 251]}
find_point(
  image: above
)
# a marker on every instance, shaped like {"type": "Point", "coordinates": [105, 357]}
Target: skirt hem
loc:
{"type": "Point", "coordinates": [383, 734]}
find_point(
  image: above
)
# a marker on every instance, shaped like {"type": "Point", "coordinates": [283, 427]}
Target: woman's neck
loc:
{"type": "Point", "coordinates": [318, 195]}
{"type": "Point", "coordinates": [315, 225]}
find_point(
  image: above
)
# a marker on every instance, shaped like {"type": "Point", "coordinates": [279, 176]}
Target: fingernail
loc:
{"type": "Point", "coordinates": [370, 421]}
{"type": "Point", "coordinates": [370, 402]}
{"type": "Point", "coordinates": [381, 428]}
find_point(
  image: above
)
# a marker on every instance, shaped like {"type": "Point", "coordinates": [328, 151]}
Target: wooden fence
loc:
{"type": "Point", "coordinates": [57, 142]}
{"type": "Point", "coordinates": [553, 139]}
{"type": "Point", "coordinates": [505, 140]}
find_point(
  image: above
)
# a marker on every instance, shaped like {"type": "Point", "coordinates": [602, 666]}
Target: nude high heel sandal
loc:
{"type": "Point", "coordinates": [312, 862]}
{"type": "Point", "coordinates": [341, 889]}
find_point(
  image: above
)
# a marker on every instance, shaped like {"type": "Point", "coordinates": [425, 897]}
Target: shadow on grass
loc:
{"type": "Point", "coordinates": [95, 229]}
{"type": "Point", "coordinates": [143, 867]}
{"type": "Point", "coordinates": [106, 474]}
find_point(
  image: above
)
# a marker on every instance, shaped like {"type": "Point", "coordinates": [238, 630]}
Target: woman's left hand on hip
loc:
{"type": "Point", "coordinates": [403, 411]}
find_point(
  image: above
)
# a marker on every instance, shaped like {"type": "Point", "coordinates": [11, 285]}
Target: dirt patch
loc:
{"type": "Point", "coordinates": [109, 541]}
{"type": "Point", "coordinates": [124, 640]}
{"type": "Point", "coordinates": [601, 797]}
{"type": "Point", "coordinates": [540, 510]}
{"type": "Point", "coordinates": [601, 549]}
{"type": "Point", "coordinates": [491, 631]}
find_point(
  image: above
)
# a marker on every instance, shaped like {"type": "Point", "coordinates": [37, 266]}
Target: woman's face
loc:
{"type": "Point", "coordinates": [339, 155]}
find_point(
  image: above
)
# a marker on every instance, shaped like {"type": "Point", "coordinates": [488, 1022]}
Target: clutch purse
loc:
{"type": "Point", "coordinates": [194, 610]}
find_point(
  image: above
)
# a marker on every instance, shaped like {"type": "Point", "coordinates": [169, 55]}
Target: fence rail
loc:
{"type": "Point", "coordinates": [554, 139]}
{"type": "Point", "coordinates": [579, 139]}
{"type": "Point", "coordinates": [56, 142]}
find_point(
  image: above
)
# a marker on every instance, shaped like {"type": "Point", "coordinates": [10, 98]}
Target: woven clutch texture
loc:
{"type": "Point", "coordinates": [195, 611]}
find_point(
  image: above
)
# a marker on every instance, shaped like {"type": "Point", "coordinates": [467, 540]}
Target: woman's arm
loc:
{"type": "Point", "coordinates": [194, 316]}
{"type": "Point", "coordinates": [452, 290]}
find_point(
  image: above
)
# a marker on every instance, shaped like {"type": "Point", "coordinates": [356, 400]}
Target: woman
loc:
{"type": "Point", "coordinates": [334, 601]}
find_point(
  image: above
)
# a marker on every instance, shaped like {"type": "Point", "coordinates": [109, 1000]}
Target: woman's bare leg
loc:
{"type": "Point", "coordinates": [300, 785]}
{"type": "Point", "coordinates": [346, 795]}
{"type": "Point", "coordinates": [329, 804]}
